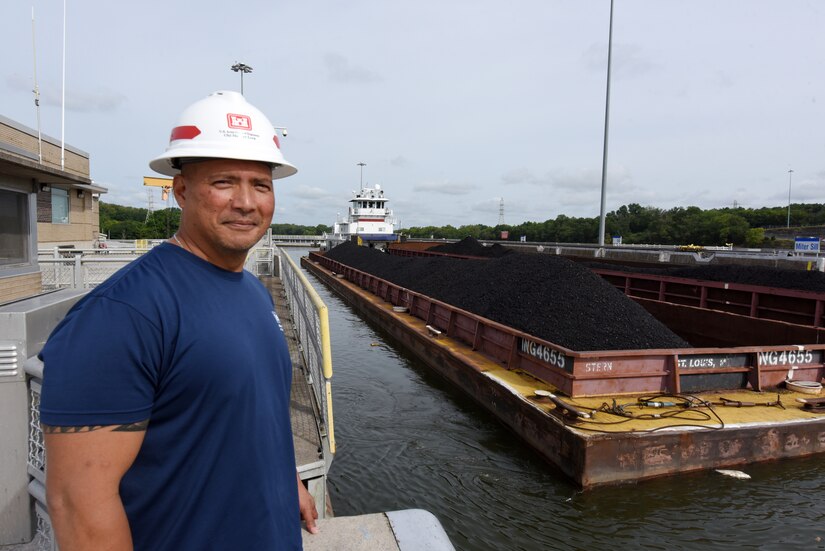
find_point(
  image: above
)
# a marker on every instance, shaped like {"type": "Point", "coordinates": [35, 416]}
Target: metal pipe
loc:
{"type": "Point", "coordinates": [63, 100]}
{"type": "Point", "coordinates": [790, 175]}
{"type": "Point", "coordinates": [606, 128]}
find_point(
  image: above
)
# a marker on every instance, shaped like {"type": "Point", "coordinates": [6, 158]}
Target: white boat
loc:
{"type": "Point", "coordinates": [368, 221]}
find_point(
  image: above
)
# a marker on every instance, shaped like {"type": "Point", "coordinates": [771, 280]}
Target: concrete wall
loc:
{"type": "Point", "coordinates": [84, 217]}
{"type": "Point", "coordinates": [25, 139]}
{"type": "Point", "coordinates": [83, 227]}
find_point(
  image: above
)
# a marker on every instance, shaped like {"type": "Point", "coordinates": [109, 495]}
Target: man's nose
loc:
{"type": "Point", "coordinates": [244, 197]}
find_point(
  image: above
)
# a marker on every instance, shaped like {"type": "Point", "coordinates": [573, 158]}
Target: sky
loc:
{"type": "Point", "coordinates": [453, 105]}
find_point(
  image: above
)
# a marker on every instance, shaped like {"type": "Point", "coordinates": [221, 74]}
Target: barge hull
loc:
{"type": "Point", "coordinates": [590, 459]}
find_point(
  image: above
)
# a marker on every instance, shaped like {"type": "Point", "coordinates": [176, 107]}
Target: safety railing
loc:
{"type": "Point", "coordinates": [312, 325]}
{"type": "Point", "coordinates": [79, 272]}
{"type": "Point", "coordinates": [88, 268]}
{"type": "Point", "coordinates": [261, 261]}
{"type": "Point", "coordinates": [36, 462]}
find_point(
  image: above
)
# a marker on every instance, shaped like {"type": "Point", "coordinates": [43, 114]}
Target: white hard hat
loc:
{"type": "Point", "coordinates": [223, 125]}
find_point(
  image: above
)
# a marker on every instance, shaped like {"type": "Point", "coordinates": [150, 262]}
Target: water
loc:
{"type": "Point", "coordinates": [408, 439]}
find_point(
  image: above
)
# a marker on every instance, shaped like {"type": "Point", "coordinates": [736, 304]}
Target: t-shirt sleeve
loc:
{"type": "Point", "coordinates": [101, 366]}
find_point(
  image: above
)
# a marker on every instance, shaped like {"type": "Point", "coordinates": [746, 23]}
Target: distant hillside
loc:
{"type": "Point", "coordinates": [119, 222]}
{"type": "Point", "coordinates": [763, 227]}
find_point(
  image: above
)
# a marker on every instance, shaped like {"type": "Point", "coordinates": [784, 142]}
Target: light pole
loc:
{"type": "Point", "coordinates": [790, 175]}
{"type": "Point", "coordinates": [241, 68]}
{"type": "Point", "coordinates": [606, 126]}
{"type": "Point", "coordinates": [362, 165]}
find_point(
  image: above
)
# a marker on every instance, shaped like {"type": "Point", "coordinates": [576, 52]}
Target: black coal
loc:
{"type": "Point", "coordinates": [547, 296]}
{"type": "Point", "coordinates": [764, 276]}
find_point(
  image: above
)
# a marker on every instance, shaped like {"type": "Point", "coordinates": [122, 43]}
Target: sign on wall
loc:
{"type": "Point", "coordinates": [806, 245]}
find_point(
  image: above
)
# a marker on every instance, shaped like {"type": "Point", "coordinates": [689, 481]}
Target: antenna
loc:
{"type": "Point", "coordinates": [362, 165]}
{"type": "Point", "coordinates": [36, 96]}
{"type": "Point", "coordinates": [501, 212]}
{"type": "Point", "coordinates": [63, 100]}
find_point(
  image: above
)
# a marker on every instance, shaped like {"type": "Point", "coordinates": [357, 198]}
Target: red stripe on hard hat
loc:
{"type": "Point", "coordinates": [184, 133]}
{"type": "Point", "coordinates": [275, 139]}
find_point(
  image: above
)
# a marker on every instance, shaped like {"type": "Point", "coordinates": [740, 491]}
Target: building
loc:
{"type": "Point", "coordinates": [41, 205]}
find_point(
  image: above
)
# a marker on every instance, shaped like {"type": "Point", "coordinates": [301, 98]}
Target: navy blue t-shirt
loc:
{"type": "Point", "coordinates": [199, 352]}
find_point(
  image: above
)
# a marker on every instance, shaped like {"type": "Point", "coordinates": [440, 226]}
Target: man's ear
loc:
{"type": "Point", "coordinates": [179, 189]}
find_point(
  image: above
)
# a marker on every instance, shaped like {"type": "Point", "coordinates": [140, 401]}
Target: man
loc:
{"type": "Point", "coordinates": [165, 401]}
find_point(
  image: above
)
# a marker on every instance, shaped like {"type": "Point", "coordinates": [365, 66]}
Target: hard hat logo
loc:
{"type": "Point", "coordinates": [241, 122]}
{"type": "Point", "coordinates": [220, 127]}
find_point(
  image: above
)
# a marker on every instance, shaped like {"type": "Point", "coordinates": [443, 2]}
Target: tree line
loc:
{"type": "Point", "coordinates": [120, 222]}
{"type": "Point", "coordinates": [633, 222]}
{"type": "Point", "coordinates": [650, 225]}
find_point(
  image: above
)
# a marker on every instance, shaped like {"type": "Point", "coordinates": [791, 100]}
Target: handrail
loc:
{"type": "Point", "coordinates": [316, 347]}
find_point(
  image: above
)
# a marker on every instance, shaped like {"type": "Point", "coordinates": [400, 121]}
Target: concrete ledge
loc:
{"type": "Point", "coordinates": [408, 530]}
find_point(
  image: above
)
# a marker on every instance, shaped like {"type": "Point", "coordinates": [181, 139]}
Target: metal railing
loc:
{"type": "Point", "coordinates": [312, 325]}
{"type": "Point", "coordinates": [36, 462]}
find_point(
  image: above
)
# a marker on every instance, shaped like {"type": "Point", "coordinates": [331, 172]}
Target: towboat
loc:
{"type": "Point", "coordinates": [368, 221]}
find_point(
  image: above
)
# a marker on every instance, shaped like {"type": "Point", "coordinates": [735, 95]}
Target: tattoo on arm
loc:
{"type": "Point", "coordinates": [128, 427]}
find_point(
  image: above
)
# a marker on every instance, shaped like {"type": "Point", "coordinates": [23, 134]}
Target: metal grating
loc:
{"type": "Point", "coordinates": [37, 449]}
{"type": "Point", "coordinates": [44, 538]}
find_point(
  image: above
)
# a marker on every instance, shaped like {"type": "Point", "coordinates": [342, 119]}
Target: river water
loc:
{"type": "Point", "coordinates": [408, 439]}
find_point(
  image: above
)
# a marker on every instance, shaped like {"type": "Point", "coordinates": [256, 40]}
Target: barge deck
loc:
{"type": "Point", "coordinates": [501, 373]}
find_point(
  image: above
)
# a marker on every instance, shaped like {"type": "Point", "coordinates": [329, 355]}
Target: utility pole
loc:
{"type": "Point", "coordinates": [606, 126]}
{"type": "Point", "coordinates": [241, 68]}
{"type": "Point", "coordinates": [790, 176]}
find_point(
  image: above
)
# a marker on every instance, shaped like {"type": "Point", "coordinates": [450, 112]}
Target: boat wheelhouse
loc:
{"type": "Point", "coordinates": [368, 221]}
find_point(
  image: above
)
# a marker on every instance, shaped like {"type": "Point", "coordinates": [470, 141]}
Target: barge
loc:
{"type": "Point", "coordinates": [606, 417]}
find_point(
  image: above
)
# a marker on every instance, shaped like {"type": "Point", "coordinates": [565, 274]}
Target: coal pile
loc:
{"type": "Point", "coordinates": [764, 276]}
{"type": "Point", "coordinates": [756, 275]}
{"type": "Point", "coordinates": [471, 247]}
{"type": "Point", "coordinates": [547, 296]}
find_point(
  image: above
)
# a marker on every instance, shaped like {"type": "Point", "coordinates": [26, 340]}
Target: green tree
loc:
{"type": "Point", "coordinates": [163, 224]}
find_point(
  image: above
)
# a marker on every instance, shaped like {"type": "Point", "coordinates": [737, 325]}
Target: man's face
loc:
{"type": "Point", "coordinates": [227, 207]}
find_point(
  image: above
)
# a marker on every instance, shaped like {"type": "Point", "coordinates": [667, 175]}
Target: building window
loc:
{"type": "Point", "coordinates": [14, 227]}
{"type": "Point", "coordinates": [60, 206]}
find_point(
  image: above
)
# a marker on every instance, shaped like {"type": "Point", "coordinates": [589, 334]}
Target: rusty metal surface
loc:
{"type": "Point", "coordinates": [608, 372]}
{"type": "Point", "coordinates": [619, 458]}
{"type": "Point", "coordinates": [588, 458]}
{"type": "Point", "coordinates": [789, 305]}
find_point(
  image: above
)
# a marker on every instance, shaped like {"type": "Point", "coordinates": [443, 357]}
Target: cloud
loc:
{"type": "Point", "coordinates": [399, 161]}
{"type": "Point", "coordinates": [340, 70]}
{"type": "Point", "coordinates": [308, 192]}
{"type": "Point", "coordinates": [584, 179]}
{"type": "Point", "coordinates": [446, 187]}
{"type": "Point", "coordinates": [489, 206]}
{"type": "Point", "coordinates": [629, 60]}
{"type": "Point", "coordinates": [722, 80]}
{"type": "Point", "coordinates": [519, 176]}
{"type": "Point", "coordinates": [79, 101]}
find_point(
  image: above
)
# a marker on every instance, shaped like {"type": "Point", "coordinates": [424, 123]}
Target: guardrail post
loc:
{"type": "Point", "coordinates": [78, 274]}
